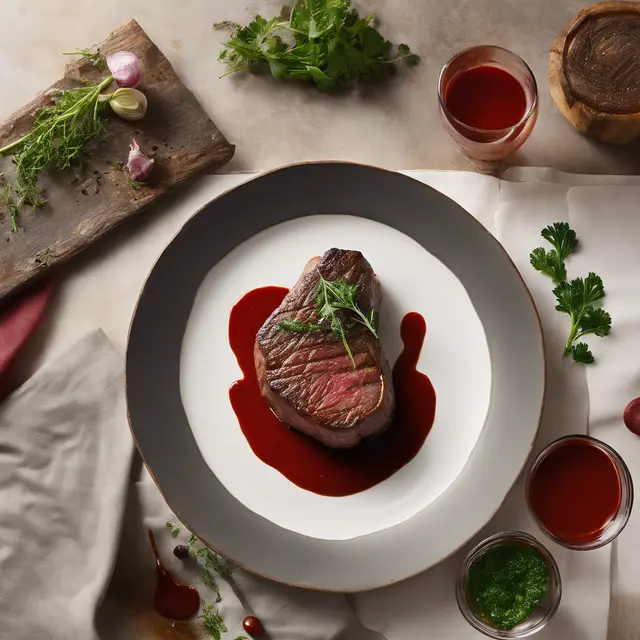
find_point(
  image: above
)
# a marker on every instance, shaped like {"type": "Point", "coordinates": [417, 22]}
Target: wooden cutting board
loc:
{"type": "Point", "coordinates": [83, 205]}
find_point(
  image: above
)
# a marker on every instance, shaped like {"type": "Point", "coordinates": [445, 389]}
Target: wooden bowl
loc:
{"type": "Point", "coordinates": [594, 71]}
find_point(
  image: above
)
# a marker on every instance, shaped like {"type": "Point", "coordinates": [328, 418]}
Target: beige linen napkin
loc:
{"type": "Point", "coordinates": [65, 455]}
{"type": "Point", "coordinates": [65, 460]}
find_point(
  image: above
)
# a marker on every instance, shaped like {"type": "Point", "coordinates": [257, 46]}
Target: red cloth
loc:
{"type": "Point", "coordinates": [18, 321]}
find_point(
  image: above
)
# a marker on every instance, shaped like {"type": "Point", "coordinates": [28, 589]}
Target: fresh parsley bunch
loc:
{"type": "Point", "coordinates": [324, 42]}
{"type": "Point", "coordinates": [575, 298]}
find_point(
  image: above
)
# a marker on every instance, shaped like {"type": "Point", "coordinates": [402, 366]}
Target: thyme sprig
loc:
{"type": "Point", "coordinates": [337, 309]}
{"type": "Point", "coordinates": [55, 141]}
{"type": "Point", "coordinates": [95, 57]}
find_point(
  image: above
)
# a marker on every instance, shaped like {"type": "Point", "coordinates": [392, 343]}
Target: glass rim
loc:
{"type": "Point", "coordinates": [506, 537]}
{"type": "Point", "coordinates": [507, 130]}
{"type": "Point", "coordinates": [626, 482]}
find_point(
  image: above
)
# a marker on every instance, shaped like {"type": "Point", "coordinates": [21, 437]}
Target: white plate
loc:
{"type": "Point", "coordinates": [404, 228]}
{"type": "Point", "coordinates": [412, 280]}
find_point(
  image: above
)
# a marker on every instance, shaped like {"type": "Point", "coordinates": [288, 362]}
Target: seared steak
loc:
{"type": "Point", "coordinates": [308, 378]}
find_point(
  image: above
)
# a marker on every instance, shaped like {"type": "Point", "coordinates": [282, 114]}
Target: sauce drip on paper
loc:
{"type": "Point", "coordinates": [172, 600]}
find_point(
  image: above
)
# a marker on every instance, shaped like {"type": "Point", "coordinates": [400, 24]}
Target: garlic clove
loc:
{"type": "Point", "coordinates": [125, 68]}
{"type": "Point", "coordinates": [139, 165]}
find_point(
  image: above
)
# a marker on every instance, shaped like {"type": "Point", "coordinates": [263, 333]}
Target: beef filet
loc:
{"type": "Point", "coordinates": [308, 378]}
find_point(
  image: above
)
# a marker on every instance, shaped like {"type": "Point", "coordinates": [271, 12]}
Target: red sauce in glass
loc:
{"type": "Point", "coordinates": [575, 491]}
{"type": "Point", "coordinates": [486, 98]}
{"type": "Point", "coordinates": [303, 460]}
{"type": "Point", "coordinates": [172, 600]}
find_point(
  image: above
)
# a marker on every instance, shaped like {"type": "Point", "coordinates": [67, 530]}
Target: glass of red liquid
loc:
{"type": "Point", "coordinates": [488, 100]}
{"type": "Point", "coordinates": [580, 492]}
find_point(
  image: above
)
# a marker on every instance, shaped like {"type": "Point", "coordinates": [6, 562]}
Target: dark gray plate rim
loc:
{"type": "Point", "coordinates": [161, 432]}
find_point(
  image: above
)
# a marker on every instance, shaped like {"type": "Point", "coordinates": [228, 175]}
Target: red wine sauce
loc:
{"type": "Point", "coordinates": [305, 461]}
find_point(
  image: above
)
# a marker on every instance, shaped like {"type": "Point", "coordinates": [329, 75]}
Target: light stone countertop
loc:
{"type": "Point", "coordinates": [396, 126]}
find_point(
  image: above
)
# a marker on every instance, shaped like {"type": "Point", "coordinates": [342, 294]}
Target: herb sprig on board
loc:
{"type": "Point", "coordinates": [95, 57]}
{"type": "Point", "coordinates": [338, 310]}
{"type": "Point", "coordinates": [324, 42]}
{"type": "Point", "coordinates": [8, 199]}
{"type": "Point", "coordinates": [55, 141]}
{"type": "Point", "coordinates": [578, 297]}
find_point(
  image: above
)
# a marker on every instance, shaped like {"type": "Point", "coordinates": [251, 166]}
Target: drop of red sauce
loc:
{"type": "Point", "coordinates": [486, 98]}
{"type": "Point", "coordinates": [575, 491]}
{"type": "Point", "coordinates": [253, 626]}
{"type": "Point", "coordinates": [303, 460]}
{"type": "Point", "coordinates": [172, 600]}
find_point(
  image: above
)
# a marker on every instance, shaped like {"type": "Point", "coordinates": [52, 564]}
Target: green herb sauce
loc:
{"type": "Point", "coordinates": [507, 583]}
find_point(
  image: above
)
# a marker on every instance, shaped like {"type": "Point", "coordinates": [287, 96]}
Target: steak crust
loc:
{"type": "Point", "coordinates": [308, 378]}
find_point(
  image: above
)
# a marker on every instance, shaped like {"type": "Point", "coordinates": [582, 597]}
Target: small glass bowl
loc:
{"type": "Point", "coordinates": [619, 522]}
{"type": "Point", "coordinates": [489, 144]}
{"type": "Point", "coordinates": [539, 617]}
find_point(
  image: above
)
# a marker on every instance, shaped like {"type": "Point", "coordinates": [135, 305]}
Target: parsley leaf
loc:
{"type": "Point", "coordinates": [323, 42]}
{"type": "Point", "coordinates": [548, 262]}
{"type": "Point", "coordinates": [582, 354]}
{"type": "Point", "coordinates": [314, 18]}
{"type": "Point", "coordinates": [564, 297]}
{"type": "Point", "coordinates": [587, 291]}
{"type": "Point", "coordinates": [562, 237]}
{"type": "Point", "coordinates": [595, 320]}
{"type": "Point", "coordinates": [405, 53]}
{"type": "Point", "coordinates": [575, 298]}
